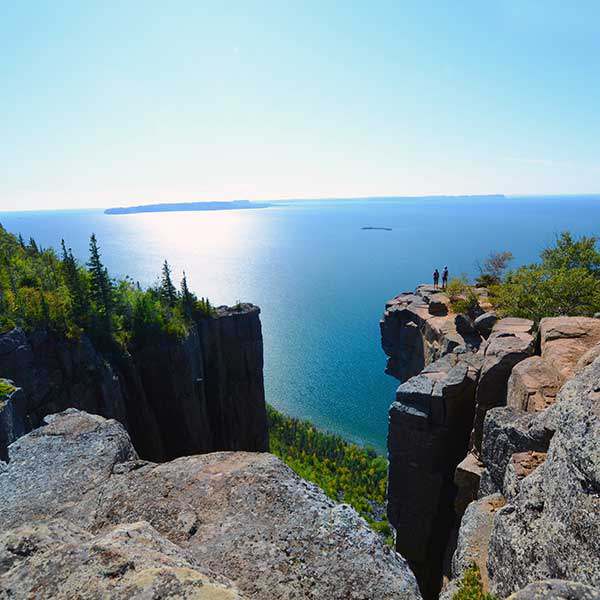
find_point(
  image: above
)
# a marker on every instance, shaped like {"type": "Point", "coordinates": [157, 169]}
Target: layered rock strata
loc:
{"type": "Point", "coordinates": [82, 516]}
{"type": "Point", "coordinates": [175, 397]}
{"type": "Point", "coordinates": [418, 328]}
{"type": "Point", "coordinates": [512, 400]}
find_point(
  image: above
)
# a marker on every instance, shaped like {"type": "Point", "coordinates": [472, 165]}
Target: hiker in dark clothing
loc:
{"type": "Point", "coordinates": [444, 278]}
{"type": "Point", "coordinates": [436, 278]}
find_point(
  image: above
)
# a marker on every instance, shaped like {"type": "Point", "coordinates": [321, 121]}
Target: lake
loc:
{"type": "Point", "coordinates": [319, 278]}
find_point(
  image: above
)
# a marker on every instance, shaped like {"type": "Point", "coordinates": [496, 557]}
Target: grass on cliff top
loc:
{"type": "Point", "coordinates": [470, 587]}
{"type": "Point", "coordinates": [5, 390]}
{"type": "Point", "coordinates": [346, 472]}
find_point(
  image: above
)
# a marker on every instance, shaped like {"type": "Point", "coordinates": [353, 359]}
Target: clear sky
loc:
{"type": "Point", "coordinates": [106, 103]}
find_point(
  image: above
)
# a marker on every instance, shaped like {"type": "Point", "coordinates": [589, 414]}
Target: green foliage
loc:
{"type": "Point", "coordinates": [345, 471]}
{"type": "Point", "coordinates": [6, 388]}
{"type": "Point", "coordinates": [566, 282]}
{"type": "Point", "coordinates": [462, 297]}
{"type": "Point", "coordinates": [470, 586]}
{"type": "Point", "coordinates": [39, 290]}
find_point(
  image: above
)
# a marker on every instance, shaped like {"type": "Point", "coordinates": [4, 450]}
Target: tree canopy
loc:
{"type": "Point", "coordinates": [41, 290]}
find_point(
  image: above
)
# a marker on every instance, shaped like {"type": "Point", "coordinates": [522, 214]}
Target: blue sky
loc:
{"type": "Point", "coordinates": [114, 103]}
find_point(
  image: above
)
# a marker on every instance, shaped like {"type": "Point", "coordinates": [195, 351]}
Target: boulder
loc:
{"type": "Point", "coordinates": [438, 304]}
{"type": "Point", "coordinates": [485, 323]}
{"type": "Point", "coordinates": [474, 537]}
{"type": "Point", "coordinates": [521, 465]}
{"type": "Point", "coordinates": [564, 340]}
{"type": "Point", "coordinates": [57, 559]}
{"type": "Point", "coordinates": [466, 478]}
{"type": "Point", "coordinates": [507, 432]}
{"type": "Point", "coordinates": [550, 528]}
{"type": "Point", "coordinates": [513, 325]}
{"type": "Point", "coordinates": [242, 521]}
{"type": "Point", "coordinates": [533, 385]}
{"type": "Point", "coordinates": [556, 589]}
{"type": "Point", "coordinates": [508, 344]}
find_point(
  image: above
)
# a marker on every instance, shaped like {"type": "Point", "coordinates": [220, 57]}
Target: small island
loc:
{"type": "Point", "coordinates": [186, 206]}
{"type": "Point", "coordinates": [376, 228]}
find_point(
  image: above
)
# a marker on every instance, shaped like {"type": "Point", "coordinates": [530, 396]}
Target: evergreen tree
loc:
{"type": "Point", "coordinates": [100, 284]}
{"type": "Point", "coordinates": [167, 289]}
{"type": "Point", "coordinates": [33, 247]}
{"type": "Point", "coordinates": [187, 297]}
{"type": "Point", "coordinates": [74, 284]}
{"type": "Point", "coordinates": [22, 242]}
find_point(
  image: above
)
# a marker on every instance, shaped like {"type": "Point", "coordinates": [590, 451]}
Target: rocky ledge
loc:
{"type": "Point", "coordinates": [494, 447]}
{"type": "Point", "coordinates": [83, 517]}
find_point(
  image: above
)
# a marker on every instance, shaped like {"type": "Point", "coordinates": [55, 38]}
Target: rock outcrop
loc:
{"type": "Point", "coordinates": [524, 481]}
{"type": "Point", "coordinates": [175, 397]}
{"type": "Point", "coordinates": [429, 427]}
{"type": "Point", "coordinates": [12, 416]}
{"type": "Point", "coordinates": [83, 516]}
{"type": "Point", "coordinates": [416, 331]}
{"type": "Point", "coordinates": [550, 528]}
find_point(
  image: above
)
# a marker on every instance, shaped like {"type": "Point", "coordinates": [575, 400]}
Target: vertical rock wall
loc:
{"type": "Point", "coordinates": [200, 394]}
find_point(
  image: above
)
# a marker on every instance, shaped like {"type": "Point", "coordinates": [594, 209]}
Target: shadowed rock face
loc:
{"type": "Point", "coordinates": [428, 435]}
{"type": "Point", "coordinates": [200, 394]}
{"type": "Point", "coordinates": [227, 525]}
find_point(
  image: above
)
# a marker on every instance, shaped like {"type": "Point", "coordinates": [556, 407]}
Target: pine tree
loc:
{"type": "Point", "coordinates": [22, 242]}
{"type": "Point", "coordinates": [167, 289]}
{"type": "Point", "coordinates": [74, 284]}
{"type": "Point", "coordinates": [33, 247]}
{"type": "Point", "coordinates": [187, 297]}
{"type": "Point", "coordinates": [100, 284]}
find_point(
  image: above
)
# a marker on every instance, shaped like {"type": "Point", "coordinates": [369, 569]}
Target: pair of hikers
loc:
{"type": "Point", "coordinates": [436, 278]}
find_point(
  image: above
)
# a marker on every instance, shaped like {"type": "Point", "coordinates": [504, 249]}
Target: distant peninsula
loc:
{"type": "Point", "coordinates": [376, 228]}
{"type": "Point", "coordinates": [186, 206]}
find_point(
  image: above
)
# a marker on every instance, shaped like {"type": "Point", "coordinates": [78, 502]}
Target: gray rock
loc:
{"type": "Point", "coordinates": [550, 530]}
{"type": "Point", "coordinates": [428, 436]}
{"type": "Point", "coordinates": [474, 537]}
{"type": "Point", "coordinates": [57, 559]}
{"type": "Point", "coordinates": [485, 323]}
{"type": "Point", "coordinates": [506, 432]}
{"type": "Point", "coordinates": [413, 337]}
{"type": "Point", "coordinates": [506, 347]}
{"type": "Point", "coordinates": [487, 487]}
{"type": "Point", "coordinates": [521, 465]}
{"type": "Point", "coordinates": [13, 411]}
{"type": "Point", "coordinates": [557, 589]}
{"type": "Point", "coordinates": [238, 519]}
{"type": "Point", "coordinates": [533, 385]}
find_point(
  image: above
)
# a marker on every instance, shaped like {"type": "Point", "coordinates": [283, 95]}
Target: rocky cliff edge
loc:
{"type": "Point", "coordinates": [83, 517]}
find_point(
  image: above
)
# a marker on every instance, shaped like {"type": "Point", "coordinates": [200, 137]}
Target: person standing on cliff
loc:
{"type": "Point", "coordinates": [445, 277]}
{"type": "Point", "coordinates": [436, 279]}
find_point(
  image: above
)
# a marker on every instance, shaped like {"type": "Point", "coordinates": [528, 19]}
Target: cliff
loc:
{"type": "Point", "coordinates": [493, 447]}
{"type": "Point", "coordinates": [175, 397]}
{"type": "Point", "coordinates": [83, 517]}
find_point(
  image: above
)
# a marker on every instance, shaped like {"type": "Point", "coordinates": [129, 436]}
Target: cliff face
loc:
{"type": "Point", "coordinates": [82, 516]}
{"type": "Point", "coordinates": [474, 441]}
{"type": "Point", "coordinates": [201, 394]}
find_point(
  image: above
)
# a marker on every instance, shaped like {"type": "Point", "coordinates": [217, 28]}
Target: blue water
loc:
{"type": "Point", "coordinates": [320, 280]}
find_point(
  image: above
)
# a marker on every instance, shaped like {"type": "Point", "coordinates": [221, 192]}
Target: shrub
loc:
{"type": "Point", "coordinates": [566, 282]}
{"type": "Point", "coordinates": [470, 586]}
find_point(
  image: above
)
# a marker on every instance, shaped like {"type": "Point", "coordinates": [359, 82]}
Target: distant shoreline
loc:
{"type": "Point", "coordinates": [376, 228]}
{"type": "Point", "coordinates": [186, 207]}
